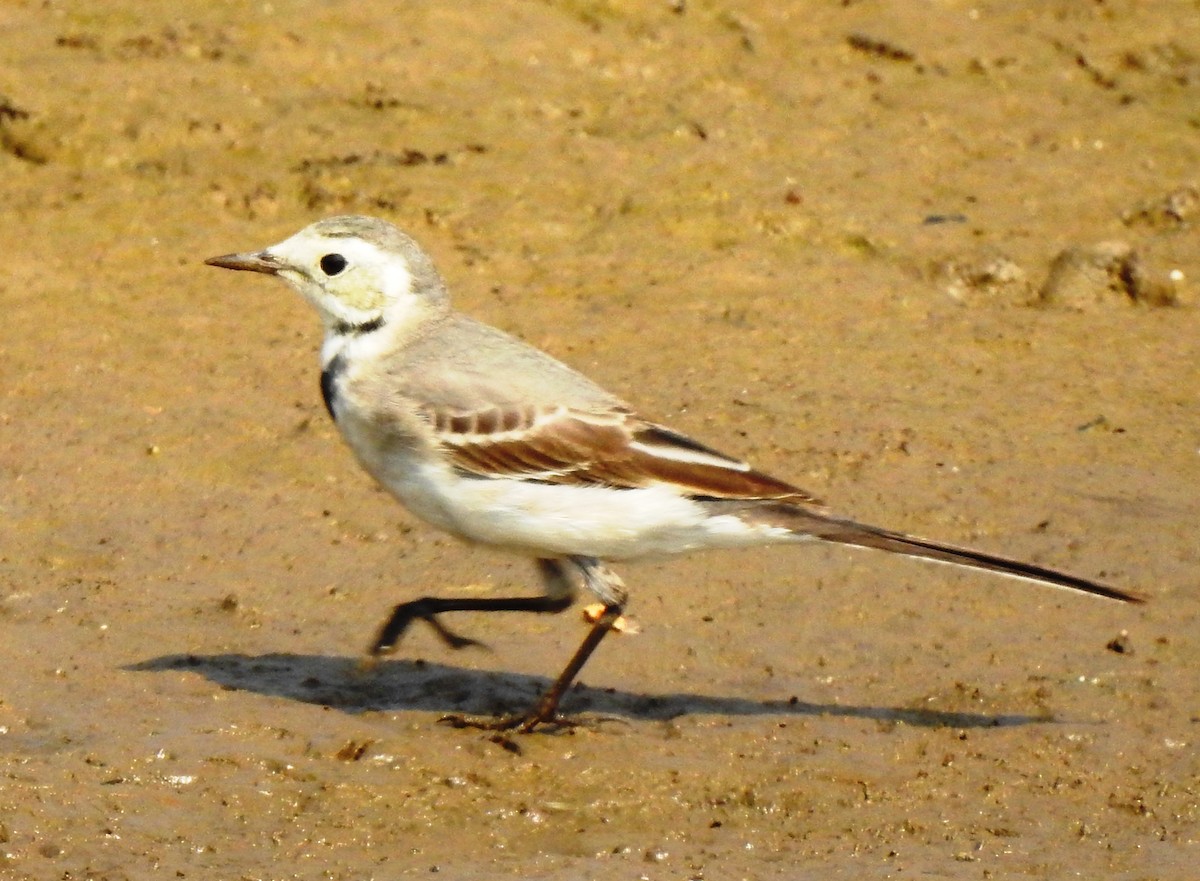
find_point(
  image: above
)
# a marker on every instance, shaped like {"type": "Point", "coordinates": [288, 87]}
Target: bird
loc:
{"type": "Point", "coordinates": [502, 445]}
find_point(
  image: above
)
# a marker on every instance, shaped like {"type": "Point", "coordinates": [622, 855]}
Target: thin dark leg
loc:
{"type": "Point", "coordinates": [427, 608]}
{"type": "Point", "coordinates": [605, 584]}
{"type": "Point", "coordinates": [559, 596]}
{"type": "Point", "coordinates": [546, 709]}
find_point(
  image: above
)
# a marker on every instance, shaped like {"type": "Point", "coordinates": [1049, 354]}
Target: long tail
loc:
{"type": "Point", "coordinates": [848, 532]}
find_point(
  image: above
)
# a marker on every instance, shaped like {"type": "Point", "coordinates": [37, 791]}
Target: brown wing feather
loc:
{"type": "Point", "coordinates": [612, 448]}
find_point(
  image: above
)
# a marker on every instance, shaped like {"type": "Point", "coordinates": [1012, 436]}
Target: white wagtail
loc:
{"type": "Point", "coordinates": [500, 444]}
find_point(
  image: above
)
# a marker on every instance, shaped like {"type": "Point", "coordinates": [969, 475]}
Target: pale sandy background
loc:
{"type": "Point", "coordinates": [728, 212]}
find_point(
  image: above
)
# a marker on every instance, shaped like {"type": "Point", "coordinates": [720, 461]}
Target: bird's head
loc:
{"type": "Point", "coordinates": [359, 272]}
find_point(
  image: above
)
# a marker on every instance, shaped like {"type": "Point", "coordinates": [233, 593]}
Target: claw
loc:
{"type": "Point", "coordinates": [449, 637]}
{"type": "Point", "coordinates": [385, 643]}
{"type": "Point", "coordinates": [520, 722]}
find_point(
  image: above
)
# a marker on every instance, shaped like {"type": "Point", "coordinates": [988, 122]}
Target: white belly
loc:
{"type": "Point", "coordinates": [586, 520]}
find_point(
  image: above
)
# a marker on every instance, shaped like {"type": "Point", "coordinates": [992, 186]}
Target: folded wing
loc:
{"type": "Point", "coordinates": [611, 447]}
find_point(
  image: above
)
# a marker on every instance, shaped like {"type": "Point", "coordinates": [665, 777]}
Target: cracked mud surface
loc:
{"type": "Point", "coordinates": [938, 268]}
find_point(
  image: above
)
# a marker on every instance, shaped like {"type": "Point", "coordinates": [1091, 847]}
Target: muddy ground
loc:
{"type": "Point", "coordinates": [936, 262]}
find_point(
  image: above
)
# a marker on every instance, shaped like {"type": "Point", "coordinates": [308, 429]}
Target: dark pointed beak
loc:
{"type": "Point", "coordinates": [260, 262]}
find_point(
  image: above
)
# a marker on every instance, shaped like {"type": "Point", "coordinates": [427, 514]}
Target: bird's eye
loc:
{"type": "Point", "coordinates": [332, 264]}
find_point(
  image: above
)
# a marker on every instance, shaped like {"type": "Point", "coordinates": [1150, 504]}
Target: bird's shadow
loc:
{"type": "Point", "coordinates": [343, 683]}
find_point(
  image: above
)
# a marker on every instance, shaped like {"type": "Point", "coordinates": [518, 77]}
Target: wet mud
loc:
{"type": "Point", "coordinates": [935, 263]}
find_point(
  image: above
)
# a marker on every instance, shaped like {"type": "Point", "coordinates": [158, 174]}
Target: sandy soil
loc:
{"type": "Point", "coordinates": [936, 262]}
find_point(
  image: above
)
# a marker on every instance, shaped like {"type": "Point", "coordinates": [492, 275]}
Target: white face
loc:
{"type": "Point", "coordinates": [357, 271]}
{"type": "Point", "coordinates": [348, 279]}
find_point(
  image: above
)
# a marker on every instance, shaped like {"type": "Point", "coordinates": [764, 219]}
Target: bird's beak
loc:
{"type": "Point", "coordinates": [263, 261]}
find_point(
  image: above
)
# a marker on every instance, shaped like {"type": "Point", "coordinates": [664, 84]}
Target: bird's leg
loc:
{"type": "Point", "coordinates": [560, 593]}
{"type": "Point", "coordinates": [607, 585]}
{"type": "Point", "coordinates": [546, 709]}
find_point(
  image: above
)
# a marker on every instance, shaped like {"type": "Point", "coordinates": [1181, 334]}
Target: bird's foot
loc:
{"type": "Point", "coordinates": [520, 723]}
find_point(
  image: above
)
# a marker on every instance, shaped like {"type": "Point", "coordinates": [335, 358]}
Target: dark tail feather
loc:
{"type": "Point", "coordinates": [859, 535]}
